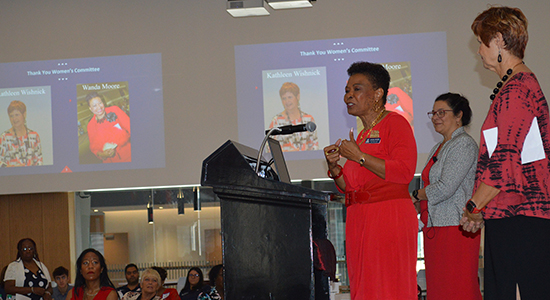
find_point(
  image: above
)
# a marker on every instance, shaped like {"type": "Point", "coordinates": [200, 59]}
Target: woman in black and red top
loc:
{"type": "Point", "coordinates": [512, 189]}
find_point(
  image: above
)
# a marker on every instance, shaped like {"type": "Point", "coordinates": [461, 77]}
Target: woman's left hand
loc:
{"type": "Point", "coordinates": [471, 222]}
{"type": "Point", "coordinates": [349, 148]}
{"type": "Point", "coordinates": [38, 291]}
{"type": "Point", "coordinates": [47, 296]}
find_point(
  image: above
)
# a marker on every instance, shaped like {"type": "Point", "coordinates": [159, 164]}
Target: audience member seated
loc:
{"type": "Point", "coordinates": [165, 293]}
{"type": "Point", "coordinates": [150, 284]}
{"type": "Point", "coordinates": [194, 285]}
{"type": "Point", "coordinates": [92, 278]}
{"type": "Point", "coordinates": [27, 277]}
{"type": "Point", "coordinates": [216, 292]}
{"type": "Point", "coordinates": [132, 277]}
{"type": "Point", "coordinates": [61, 277]}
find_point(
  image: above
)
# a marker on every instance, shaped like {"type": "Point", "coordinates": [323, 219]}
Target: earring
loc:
{"type": "Point", "coordinates": [499, 57]}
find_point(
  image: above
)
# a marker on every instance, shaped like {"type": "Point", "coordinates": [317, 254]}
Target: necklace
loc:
{"type": "Point", "coordinates": [366, 134]}
{"type": "Point", "coordinates": [22, 147]}
{"type": "Point", "coordinates": [290, 121]}
{"type": "Point", "coordinates": [93, 294]}
{"type": "Point", "coordinates": [501, 83]}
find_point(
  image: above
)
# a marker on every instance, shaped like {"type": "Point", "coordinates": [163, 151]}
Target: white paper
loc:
{"type": "Point", "coordinates": [491, 139]}
{"type": "Point", "coordinates": [533, 149]}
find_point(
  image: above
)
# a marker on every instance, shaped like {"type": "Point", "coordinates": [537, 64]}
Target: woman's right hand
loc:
{"type": "Point", "coordinates": [332, 155]}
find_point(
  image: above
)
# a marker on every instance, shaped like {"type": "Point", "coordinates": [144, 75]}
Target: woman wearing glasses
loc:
{"type": "Point", "coordinates": [193, 285]}
{"type": "Point", "coordinates": [450, 253]}
{"type": "Point", "coordinates": [27, 277]}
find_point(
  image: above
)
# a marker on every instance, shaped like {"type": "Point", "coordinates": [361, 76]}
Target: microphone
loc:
{"type": "Point", "coordinates": [290, 129]}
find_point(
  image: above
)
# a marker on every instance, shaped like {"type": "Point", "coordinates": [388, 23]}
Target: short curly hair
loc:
{"type": "Point", "coordinates": [289, 87]}
{"type": "Point", "coordinates": [375, 73]}
{"type": "Point", "coordinates": [509, 21]}
{"type": "Point", "coordinates": [17, 105]}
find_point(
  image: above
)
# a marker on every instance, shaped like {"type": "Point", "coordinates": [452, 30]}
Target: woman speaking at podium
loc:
{"type": "Point", "coordinates": [381, 227]}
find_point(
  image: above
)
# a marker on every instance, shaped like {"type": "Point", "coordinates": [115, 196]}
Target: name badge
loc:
{"type": "Point", "coordinates": [372, 141]}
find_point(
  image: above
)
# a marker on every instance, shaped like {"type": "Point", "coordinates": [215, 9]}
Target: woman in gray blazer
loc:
{"type": "Point", "coordinates": [450, 253]}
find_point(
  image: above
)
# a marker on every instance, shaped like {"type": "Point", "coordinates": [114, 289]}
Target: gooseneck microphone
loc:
{"type": "Point", "coordinates": [290, 129]}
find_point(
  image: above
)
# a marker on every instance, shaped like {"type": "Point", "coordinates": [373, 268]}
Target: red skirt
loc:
{"type": "Point", "coordinates": [451, 256]}
{"type": "Point", "coordinates": [381, 243]}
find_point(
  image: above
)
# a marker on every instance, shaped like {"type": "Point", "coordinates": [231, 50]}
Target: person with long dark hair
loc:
{"type": "Point", "coordinates": [27, 277]}
{"type": "Point", "coordinates": [193, 284]}
{"type": "Point", "coordinates": [92, 279]}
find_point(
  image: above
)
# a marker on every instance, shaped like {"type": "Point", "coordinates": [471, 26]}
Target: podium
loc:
{"type": "Point", "coordinates": [268, 228]}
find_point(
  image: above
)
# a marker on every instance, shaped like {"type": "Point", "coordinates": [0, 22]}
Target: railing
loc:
{"type": "Point", "coordinates": [175, 270]}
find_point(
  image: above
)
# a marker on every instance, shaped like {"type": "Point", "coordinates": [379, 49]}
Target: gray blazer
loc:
{"type": "Point", "coordinates": [451, 179]}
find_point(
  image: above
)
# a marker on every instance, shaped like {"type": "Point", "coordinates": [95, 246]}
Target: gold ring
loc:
{"type": "Point", "coordinates": [332, 151]}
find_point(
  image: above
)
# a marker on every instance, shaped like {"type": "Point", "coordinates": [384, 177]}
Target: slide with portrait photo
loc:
{"type": "Point", "coordinates": [423, 55]}
{"type": "Point", "coordinates": [296, 96]}
{"type": "Point", "coordinates": [75, 137]}
{"type": "Point", "coordinates": [26, 127]}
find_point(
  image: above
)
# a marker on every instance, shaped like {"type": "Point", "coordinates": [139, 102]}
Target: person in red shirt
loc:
{"type": "Point", "coordinates": [165, 293]}
{"type": "Point", "coordinates": [108, 131]}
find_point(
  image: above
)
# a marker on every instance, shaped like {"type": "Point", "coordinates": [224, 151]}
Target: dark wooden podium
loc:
{"type": "Point", "coordinates": [268, 228]}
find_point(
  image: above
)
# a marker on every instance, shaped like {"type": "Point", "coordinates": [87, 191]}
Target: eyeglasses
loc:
{"type": "Point", "coordinates": [27, 249]}
{"type": "Point", "coordinates": [439, 113]}
{"type": "Point", "coordinates": [194, 275]}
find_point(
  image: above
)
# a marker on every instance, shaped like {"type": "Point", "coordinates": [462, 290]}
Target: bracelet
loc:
{"type": "Point", "coordinates": [336, 176]}
{"type": "Point", "coordinates": [415, 195]}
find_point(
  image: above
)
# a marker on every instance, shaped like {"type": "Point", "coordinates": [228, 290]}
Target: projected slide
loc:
{"type": "Point", "coordinates": [417, 64]}
{"type": "Point", "coordinates": [73, 115]}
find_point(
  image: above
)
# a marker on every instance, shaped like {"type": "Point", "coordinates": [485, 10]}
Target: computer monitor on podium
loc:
{"type": "Point", "coordinates": [279, 160]}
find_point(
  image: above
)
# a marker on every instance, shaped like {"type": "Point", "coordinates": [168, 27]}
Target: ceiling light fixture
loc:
{"type": "Point", "coordinates": [246, 8]}
{"type": "Point", "coordinates": [288, 4]}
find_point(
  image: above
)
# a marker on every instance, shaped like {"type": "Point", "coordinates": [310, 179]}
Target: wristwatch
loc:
{"type": "Point", "coordinates": [415, 195]}
{"type": "Point", "coordinates": [472, 208]}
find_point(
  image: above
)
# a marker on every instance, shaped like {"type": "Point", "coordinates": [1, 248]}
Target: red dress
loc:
{"type": "Point", "coordinates": [114, 128]}
{"type": "Point", "coordinates": [381, 233]}
{"type": "Point", "coordinates": [101, 295]}
{"type": "Point", "coordinates": [451, 256]}
{"type": "Point", "coordinates": [170, 294]}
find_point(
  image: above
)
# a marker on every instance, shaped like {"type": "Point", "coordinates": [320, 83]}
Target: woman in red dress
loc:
{"type": "Point", "coordinates": [109, 131]}
{"type": "Point", "coordinates": [92, 280]}
{"type": "Point", "coordinates": [381, 226]}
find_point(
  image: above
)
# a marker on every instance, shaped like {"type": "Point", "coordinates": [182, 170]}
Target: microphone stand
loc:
{"type": "Point", "coordinates": [262, 148]}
